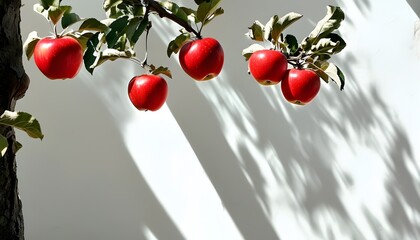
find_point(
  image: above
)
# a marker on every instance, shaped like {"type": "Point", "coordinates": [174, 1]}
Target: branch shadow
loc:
{"type": "Point", "coordinates": [237, 129]}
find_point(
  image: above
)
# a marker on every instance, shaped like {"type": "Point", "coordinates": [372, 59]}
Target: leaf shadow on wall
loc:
{"type": "Point", "coordinates": [237, 129]}
{"type": "Point", "coordinates": [145, 217]}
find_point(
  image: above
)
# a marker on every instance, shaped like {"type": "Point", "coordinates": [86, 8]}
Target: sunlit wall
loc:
{"type": "Point", "coordinates": [230, 159]}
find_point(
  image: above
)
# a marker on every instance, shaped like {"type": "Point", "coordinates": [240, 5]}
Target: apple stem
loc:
{"type": "Point", "coordinates": [144, 62]}
{"type": "Point", "coordinates": [297, 61]}
{"type": "Point", "coordinates": [55, 31]}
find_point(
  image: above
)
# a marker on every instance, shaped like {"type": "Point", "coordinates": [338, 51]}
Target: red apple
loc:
{"type": "Point", "coordinates": [202, 59]}
{"type": "Point", "coordinates": [58, 58]}
{"type": "Point", "coordinates": [148, 92]}
{"type": "Point", "coordinates": [300, 86]}
{"type": "Point", "coordinates": [268, 67]}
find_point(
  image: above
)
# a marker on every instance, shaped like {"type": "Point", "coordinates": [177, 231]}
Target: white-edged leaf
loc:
{"type": "Point", "coordinates": [175, 45]}
{"type": "Point", "coordinates": [56, 13]}
{"type": "Point", "coordinates": [205, 9]}
{"type": "Point", "coordinates": [92, 24]}
{"type": "Point", "coordinates": [38, 8]}
{"type": "Point", "coordinates": [191, 14]}
{"type": "Point", "coordinates": [30, 44]}
{"type": "Point", "coordinates": [325, 26]}
{"type": "Point", "coordinates": [256, 31]}
{"type": "Point", "coordinates": [175, 9]}
{"type": "Point", "coordinates": [216, 13]}
{"type": "Point", "coordinates": [335, 74]}
{"type": "Point", "coordinates": [161, 70]}
{"type": "Point", "coordinates": [111, 54]}
{"type": "Point", "coordinates": [275, 27]}
{"type": "Point", "coordinates": [318, 66]}
{"type": "Point", "coordinates": [108, 4]}
{"type": "Point", "coordinates": [324, 45]}
{"type": "Point", "coordinates": [50, 3]}
{"type": "Point", "coordinates": [268, 28]}
{"type": "Point", "coordinates": [247, 52]}
{"type": "Point", "coordinates": [23, 121]}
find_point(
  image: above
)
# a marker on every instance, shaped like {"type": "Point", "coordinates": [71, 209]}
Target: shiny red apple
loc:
{"type": "Point", "coordinates": [202, 59]}
{"type": "Point", "coordinates": [268, 67]}
{"type": "Point", "coordinates": [148, 92]}
{"type": "Point", "coordinates": [58, 57]}
{"type": "Point", "coordinates": [300, 86]}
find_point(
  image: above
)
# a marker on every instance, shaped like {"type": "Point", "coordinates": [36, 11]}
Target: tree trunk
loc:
{"type": "Point", "coordinates": [13, 85]}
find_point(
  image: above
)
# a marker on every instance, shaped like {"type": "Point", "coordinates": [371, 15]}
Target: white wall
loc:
{"type": "Point", "coordinates": [229, 159]}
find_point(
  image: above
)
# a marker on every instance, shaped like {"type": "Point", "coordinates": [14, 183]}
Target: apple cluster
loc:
{"type": "Point", "coordinates": [201, 59]}
{"type": "Point", "coordinates": [60, 56]}
{"type": "Point", "coordinates": [297, 67]}
{"type": "Point", "coordinates": [269, 67]}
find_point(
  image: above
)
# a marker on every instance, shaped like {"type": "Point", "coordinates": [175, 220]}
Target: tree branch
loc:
{"type": "Point", "coordinates": [155, 6]}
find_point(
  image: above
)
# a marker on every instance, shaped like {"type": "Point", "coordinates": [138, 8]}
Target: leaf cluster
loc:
{"type": "Point", "coordinates": [116, 36]}
{"type": "Point", "coordinates": [313, 52]}
{"type": "Point", "coordinates": [205, 12]}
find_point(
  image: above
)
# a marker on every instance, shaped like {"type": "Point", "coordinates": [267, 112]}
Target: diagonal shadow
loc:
{"type": "Point", "coordinates": [415, 5]}
{"type": "Point", "coordinates": [237, 127]}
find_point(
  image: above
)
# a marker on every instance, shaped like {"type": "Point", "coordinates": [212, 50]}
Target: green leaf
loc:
{"type": "Point", "coordinates": [89, 57]}
{"type": "Point", "coordinates": [82, 38]}
{"type": "Point", "coordinates": [50, 3]}
{"type": "Point", "coordinates": [247, 52]}
{"type": "Point", "coordinates": [160, 70]}
{"type": "Point", "coordinates": [30, 44]}
{"type": "Point", "coordinates": [325, 26]}
{"type": "Point", "coordinates": [121, 44]}
{"type": "Point", "coordinates": [292, 44]}
{"type": "Point", "coordinates": [330, 45]}
{"type": "Point", "coordinates": [3, 145]}
{"type": "Point", "coordinates": [341, 44]}
{"type": "Point", "coordinates": [205, 9]}
{"type": "Point", "coordinates": [268, 28]}
{"type": "Point", "coordinates": [256, 31]}
{"type": "Point", "coordinates": [275, 27]}
{"type": "Point", "coordinates": [18, 146]}
{"type": "Point", "coordinates": [116, 31]}
{"type": "Point", "coordinates": [216, 13]}
{"type": "Point", "coordinates": [112, 9]}
{"type": "Point", "coordinates": [69, 19]}
{"type": "Point", "coordinates": [23, 121]}
{"type": "Point", "coordinates": [327, 71]}
{"type": "Point", "coordinates": [131, 28]}
{"type": "Point", "coordinates": [324, 45]}
{"type": "Point", "coordinates": [56, 13]}
{"type": "Point", "coordinates": [92, 24]}
{"type": "Point", "coordinates": [318, 66]}
{"type": "Point", "coordinates": [140, 29]}
{"type": "Point", "coordinates": [198, 2]}
{"type": "Point", "coordinates": [108, 4]}
{"type": "Point", "coordinates": [177, 43]}
{"type": "Point", "coordinates": [175, 9]}
{"type": "Point", "coordinates": [336, 75]}
{"type": "Point", "coordinates": [191, 14]}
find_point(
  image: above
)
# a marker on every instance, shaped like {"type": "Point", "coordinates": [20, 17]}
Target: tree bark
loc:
{"type": "Point", "coordinates": [13, 85]}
